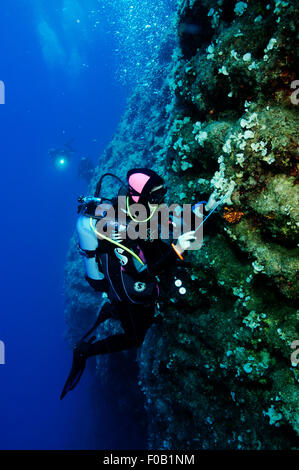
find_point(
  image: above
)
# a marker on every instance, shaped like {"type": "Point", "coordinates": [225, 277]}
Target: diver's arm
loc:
{"type": "Point", "coordinates": [184, 242]}
{"type": "Point", "coordinates": [168, 258]}
{"type": "Point", "coordinates": [171, 254]}
{"type": "Point", "coordinates": [88, 243]}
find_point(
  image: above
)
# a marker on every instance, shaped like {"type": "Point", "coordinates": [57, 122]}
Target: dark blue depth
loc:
{"type": "Point", "coordinates": [46, 106]}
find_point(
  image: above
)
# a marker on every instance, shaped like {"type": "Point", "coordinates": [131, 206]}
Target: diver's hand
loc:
{"type": "Point", "coordinates": [184, 241]}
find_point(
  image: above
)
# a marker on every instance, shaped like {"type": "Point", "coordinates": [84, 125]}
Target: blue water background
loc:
{"type": "Point", "coordinates": [67, 68]}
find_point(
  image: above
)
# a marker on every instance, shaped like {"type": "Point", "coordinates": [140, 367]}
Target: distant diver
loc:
{"type": "Point", "coordinates": [126, 270]}
{"type": "Point", "coordinates": [61, 157]}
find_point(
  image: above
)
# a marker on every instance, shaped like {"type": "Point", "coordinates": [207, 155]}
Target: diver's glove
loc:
{"type": "Point", "coordinates": [184, 241]}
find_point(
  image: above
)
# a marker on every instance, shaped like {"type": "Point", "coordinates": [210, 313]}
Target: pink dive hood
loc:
{"type": "Point", "coordinates": [141, 182]}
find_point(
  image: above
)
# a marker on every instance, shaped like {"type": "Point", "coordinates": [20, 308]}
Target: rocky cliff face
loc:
{"type": "Point", "coordinates": [220, 118]}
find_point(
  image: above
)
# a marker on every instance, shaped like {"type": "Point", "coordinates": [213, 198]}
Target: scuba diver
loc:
{"type": "Point", "coordinates": [126, 270]}
{"type": "Point", "coordinates": [61, 156]}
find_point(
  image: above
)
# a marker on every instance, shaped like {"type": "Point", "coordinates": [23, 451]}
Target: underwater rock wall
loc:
{"type": "Point", "coordinates": [217, 372]}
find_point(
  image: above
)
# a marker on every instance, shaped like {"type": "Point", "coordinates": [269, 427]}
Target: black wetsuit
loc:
{"type": "Point", "coordinates": [135, 323]}
{"type": "Point", "coordinates": [134, 308]}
